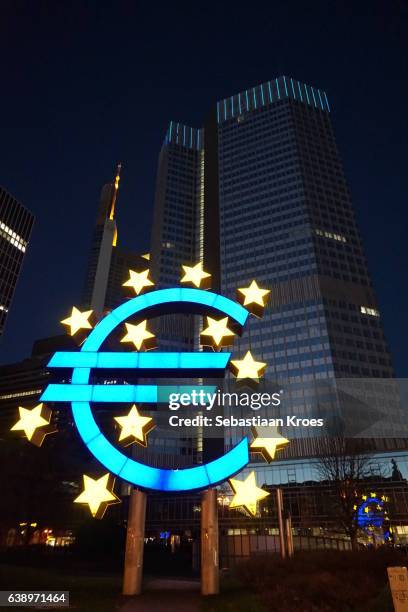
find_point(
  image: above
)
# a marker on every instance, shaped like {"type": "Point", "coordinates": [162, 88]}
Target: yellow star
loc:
{"type": "Point", "coordinates": [30, 420]}
{"type": "Point", "coordinates": [373, 495]}
{"type": "Point", "coordinates": [364, 497]}
{"type": "Point", "coordinates": [216, 333]}
{"type": "Point", "coordinates": [247, 494]}
{"type": "Point", "coordinates": [138, 281]}
{"type": "Point", "coordinates": [138, 334]}
{"type": "Point", "coordinates": [134, 425]}
{"type": "Point", "coordinates": [366, 509]}
{"type": "Point", "coordinates": [248, 367]}
{"type": "Point", "coordinates": [195, 275]}
{"type": "Point", "coordinates": [78, 320]}
{"type": "Point", "coordinates": [354, 507]}
{"type": "Point", "coordinates": [267, 440]}
{"type": "Point", "coordinates": [98, 494]}
{"type": "Point", "coordinates": [253, 298]}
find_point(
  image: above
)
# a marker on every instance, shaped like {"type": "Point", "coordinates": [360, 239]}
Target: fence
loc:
{"type": "Point", "coordinates": [240, 547]}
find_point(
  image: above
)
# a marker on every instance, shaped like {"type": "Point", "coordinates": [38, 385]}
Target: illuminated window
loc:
{"type": "Point", "coordinates": [12, 237]}
{"type": "Point", "coordinates": [331, 235]}
{"type": "Point", "coordinates": [373, 312]}
{"type": "Point", "coordinates": [20, 394]}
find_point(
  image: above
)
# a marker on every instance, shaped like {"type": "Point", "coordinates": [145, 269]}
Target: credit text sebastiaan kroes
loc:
{"type": "Point", "coordinates": [255, 401]}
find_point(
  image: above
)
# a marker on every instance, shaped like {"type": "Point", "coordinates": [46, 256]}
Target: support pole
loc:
{"type": "Point", "coordinates": [279, 504]}
{"type": "Point", "coordinates": [289, 535]}
{"type": "Point", "coordinates": [133, 572]}
{"type": "Point", "coordinates": [209, 543]}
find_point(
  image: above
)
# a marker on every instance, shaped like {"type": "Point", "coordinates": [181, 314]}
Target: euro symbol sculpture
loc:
{"type": "Point", "coordinates": [81, 394]}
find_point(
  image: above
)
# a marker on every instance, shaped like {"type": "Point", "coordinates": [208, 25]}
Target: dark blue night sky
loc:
{"type": "Point", "coordinates": [85, 84]}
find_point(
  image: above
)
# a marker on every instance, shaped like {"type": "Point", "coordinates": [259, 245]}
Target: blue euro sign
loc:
{"type": "Point", "coordinates": [365, 519]}
{"type": "Point", "coordinates": [80, 393]}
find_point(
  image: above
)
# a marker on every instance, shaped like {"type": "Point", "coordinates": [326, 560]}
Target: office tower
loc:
{"type": "Point", "coordinates": [260, 193]}
{"type": "Point", "coordinates": [286, 219]}
{"type": "Point", "coordinates": [178, 210]}
{"type": "Point", "coordinates": [22, 383]}
{"type": "Point", "coordinates": [16, 223]}
{"type": "Point", "coordinates": [108, 264]}
{"type": "Point", "coordinates": [175, 241]}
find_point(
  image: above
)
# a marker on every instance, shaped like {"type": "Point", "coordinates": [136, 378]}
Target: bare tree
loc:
{"type": "Point", "coordinates": [344, 462]}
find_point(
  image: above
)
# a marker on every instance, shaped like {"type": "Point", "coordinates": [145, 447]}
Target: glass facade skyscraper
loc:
{"type": "Point", "coordinates": [260, 193]}
{"type": "Point", "coordinates": [286, 219]}
{"type": "Point", "coordinates": [176, 223]}
{"type": "Point", "coordinates": [16, 223]}
{"type": "Point", "coordinates": [175, 241]}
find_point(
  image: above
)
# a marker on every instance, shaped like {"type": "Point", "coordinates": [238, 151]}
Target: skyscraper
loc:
{"type": "Point", "coordinates": [16, 223]}
{"type": "Point", "coordinates": [175, 241]}
{"type": "Point", "coordinates": [108, 264]}
{"type": "Point", "coordinates": [260, 193]}
{"type": "Point", "coordinates": [286, 218]}
{"type": "Point", "coordinates": [176, 226]}
{"type": "Point", "coordinates": [108, 268]}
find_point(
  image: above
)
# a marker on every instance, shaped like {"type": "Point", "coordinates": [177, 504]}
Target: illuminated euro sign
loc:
{"type": "Point", "coordinates": [367, 516]}
{"type": "Point", "coordinates": [80, 393]}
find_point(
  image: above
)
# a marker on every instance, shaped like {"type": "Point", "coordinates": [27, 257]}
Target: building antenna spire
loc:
{"type": "Point", "coordinates": [115, 190]}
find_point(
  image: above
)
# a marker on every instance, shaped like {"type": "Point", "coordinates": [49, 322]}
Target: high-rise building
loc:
{"type": "Point", "coordinates": [175, 241]}
{"type": "Point", "coordinates": [176, 222]}
{"type": "Point", "coordinates": [108, 268]}
{"type": "Point", "coordinates": [277, 191]}
{"type": "Point", "coordinates": [108, 264]}
{"type": "Point", "coordinates": [260, 193]}
{"type": "Point", "coordinates": [22, 383]}
{"type": "Point", "coordinates": [16, 223]}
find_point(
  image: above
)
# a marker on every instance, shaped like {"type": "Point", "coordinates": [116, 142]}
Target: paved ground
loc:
{"type": "Point", "coordinates": [165, 595]}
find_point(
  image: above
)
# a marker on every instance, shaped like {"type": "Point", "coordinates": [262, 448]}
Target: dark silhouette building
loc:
{"type": "Point", "coordinates": [108, 263]}
{"type": "Point", "coordinates": [16, 223]}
